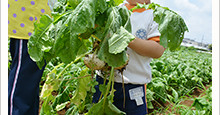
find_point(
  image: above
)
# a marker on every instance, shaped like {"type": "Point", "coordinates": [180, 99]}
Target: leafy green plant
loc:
{"type": "Point", "coordinates": [80, 27]}
{"type": "Point", "coordinates": [176, 75]}
{"type": "Point", "coordinates": [60, 36]}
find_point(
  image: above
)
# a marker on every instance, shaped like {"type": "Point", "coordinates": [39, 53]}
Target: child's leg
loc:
{"type": "Point", "coordinates": [135, 99]}
{"type": "Point", "coordinates": [23, 82]}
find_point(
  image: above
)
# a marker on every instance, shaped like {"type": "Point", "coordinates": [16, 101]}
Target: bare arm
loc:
{"type": "Point", "coordinates": [148, 48]}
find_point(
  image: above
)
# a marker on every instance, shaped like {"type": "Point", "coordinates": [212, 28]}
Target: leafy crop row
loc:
{"type": "Point", "coordinates": [178, 74]}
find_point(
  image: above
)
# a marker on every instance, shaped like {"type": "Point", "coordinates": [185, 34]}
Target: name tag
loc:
{"type": "Point", "coordinates": [137, 94]}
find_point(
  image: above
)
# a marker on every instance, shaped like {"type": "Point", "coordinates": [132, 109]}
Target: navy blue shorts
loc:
{"type": "Point", "coordinates": [131, 107]}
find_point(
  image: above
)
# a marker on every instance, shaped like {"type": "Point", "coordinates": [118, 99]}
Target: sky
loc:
{"type": "Point", "coordinates": [197, 15]}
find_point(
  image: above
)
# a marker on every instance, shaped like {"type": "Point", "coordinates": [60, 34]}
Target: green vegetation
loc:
{"type": "Point", "coordinates": [81, 27]}
{"type": "Point", "coordinates": [75, 22]}
{"type": "Point", "coordinates": [176, 76]}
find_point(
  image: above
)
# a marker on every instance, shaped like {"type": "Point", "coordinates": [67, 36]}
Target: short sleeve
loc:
{"type": "Point", "coordinates": [22, 14]}
{"type": "Point", "coordinates": [153, 31]}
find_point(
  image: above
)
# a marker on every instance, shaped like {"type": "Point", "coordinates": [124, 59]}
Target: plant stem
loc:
{"type": "Point", "coordinates": [108, 85]}
{"type": "Point", "coordinates": [96, 37]}
{"type": "Point", "coordinates": [74, 78]}
{"type": "Point", "coordinates": [79, 57]}
{"type": "Point", "coordinates": [123, 87]}
{"type": "Point", "coordinates": [55, 68]}
{"type": "Point", "coordinates": [112, 90]}
{"type": "Point", "coordinates": [102, 92]}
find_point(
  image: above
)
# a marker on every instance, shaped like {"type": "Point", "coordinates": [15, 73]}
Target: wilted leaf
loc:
{"type": "Point", "coordinates": [82, 88]}
{"type": "Point", "coordinates": [119, 41]}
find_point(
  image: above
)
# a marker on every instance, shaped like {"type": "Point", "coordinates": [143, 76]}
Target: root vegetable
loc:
{"type": "Point", "coordinates": [123, 66]}
{"type": "Point", "coordinates": [93, 62]}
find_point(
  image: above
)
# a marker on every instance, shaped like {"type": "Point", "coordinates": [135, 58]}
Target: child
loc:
{"type": "Point", "coordinates": [138, 71]}
{"type": "Point", "coordinates": [24, 77]}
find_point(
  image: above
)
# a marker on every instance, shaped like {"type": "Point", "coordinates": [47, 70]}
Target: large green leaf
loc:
{"type": "Point", "coordinates": [171, 26]}
{"type": "Point", "coordinates": [125, 15]}
{"type": "Point", "coordinates": [67, 47]}
{"type": "Point", "coordinates": [107, 109]}
{"type": "Point", "coordinates": [84, 15]}
{"type": "Point", "coordinates": [113, 24]}
{"type": "Point", "coordinates": [119, 41]}
{"type": "Point", "coordinates": [114, 21]}
{"type": "Point", "coordinates": [122, 37]}
{"type": "Point", "coordinates": [114, 60]}
{"type": "Point", "coordinates": [39, 41]}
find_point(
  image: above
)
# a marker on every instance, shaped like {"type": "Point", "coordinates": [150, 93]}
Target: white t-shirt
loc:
{"type": "Point", "coordinates": [138, 70]}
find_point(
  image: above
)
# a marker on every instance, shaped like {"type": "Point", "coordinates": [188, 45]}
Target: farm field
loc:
{"type": "Point", "coordinates": [181, 84]}
{"type": "Point", "coordinates": [82, 36]}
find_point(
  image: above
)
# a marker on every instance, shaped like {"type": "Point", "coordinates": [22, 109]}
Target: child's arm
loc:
{"type": "Point", "coordinates": [148, 48]}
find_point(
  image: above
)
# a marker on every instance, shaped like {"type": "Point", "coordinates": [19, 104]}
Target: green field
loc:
{"type": "Point", "coordinates": [184, 76]}
{"type": "Point", "coordinates": [181, 84]}
{"type": "Point", "coordinates": [77, 28]}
